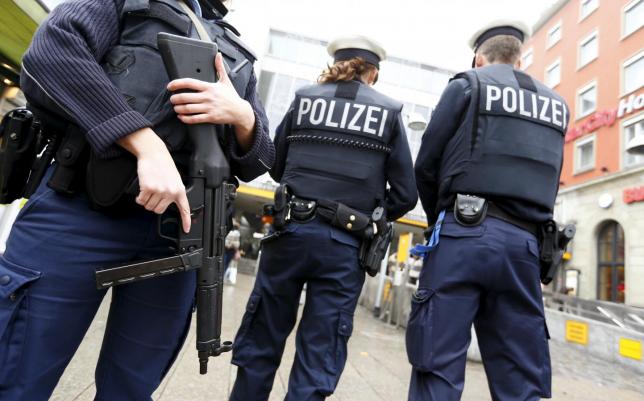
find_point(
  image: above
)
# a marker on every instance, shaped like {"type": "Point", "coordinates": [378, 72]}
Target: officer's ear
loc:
{"type": "Point", "coordinates": [517, 64]}
{"type": "Point", "coordinates": [372, 78]}
{"type": "Point", "coordinates": [480, 61]}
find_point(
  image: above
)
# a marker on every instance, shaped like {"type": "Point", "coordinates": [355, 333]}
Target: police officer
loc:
{"type": "Point", "coordinates": [340, 143]}
{"type": "Point", "coordinates": [487, 174]}
{"type": "Point", "coordinates": [94, 67]}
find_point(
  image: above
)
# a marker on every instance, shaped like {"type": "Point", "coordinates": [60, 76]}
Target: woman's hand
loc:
{"type": "Point", "coordinates": [160, 184]}
{"type": "Point", "coordinates": [214, 103]}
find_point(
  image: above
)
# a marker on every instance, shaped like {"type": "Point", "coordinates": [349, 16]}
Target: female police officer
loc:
{"type": "Point", "coordinates": [94, 66]}
{"type": "Point", "coordinates": [340, 143]}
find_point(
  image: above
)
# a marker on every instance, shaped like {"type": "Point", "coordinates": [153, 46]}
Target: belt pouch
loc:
{"type": "Point", "coordinates": [71, 158]}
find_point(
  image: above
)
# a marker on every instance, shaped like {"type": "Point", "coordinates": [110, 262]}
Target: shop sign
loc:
{"type": "Point", "coordinates": [630, 104]}
{"type": "Point", "coordinates": [576, 332]}
{"type": "Point", "coordinates": [606, 118]}
{"type": "Point", "coordinates": [600, 119]}
{"type": "Point", "coordinates": [632, 195]}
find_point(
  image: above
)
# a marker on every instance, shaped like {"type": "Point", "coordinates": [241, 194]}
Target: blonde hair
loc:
{"type": "Point", "coordinates": [346, 70]}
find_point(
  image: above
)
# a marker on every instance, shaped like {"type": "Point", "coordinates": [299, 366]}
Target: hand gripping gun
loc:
{"type": "Point", "coordinates": [208, 194]}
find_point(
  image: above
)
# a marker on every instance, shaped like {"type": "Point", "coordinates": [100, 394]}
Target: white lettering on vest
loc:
{"type": "Point", "coordinates": [509, 99]}
{"type": "Point", "coordinates": [492, 97]}
{"type": "Point", "coordinates": [329, 116]}
{"type": "Point", "coordinates": [305, 107]}
{"type": "Point", "coordinates": [557, 112]}
{"type": "Point", "coordinates": [385, 112]}
{"type": "Point", "coordinates": [544, 110]}
{"type": "Point", "coordinates": [319, 107]}
{"type": "Point", "coordinates": [345, 114]}
{"type": "Point", "coordinates": [370, 119]}
{"type": "Point", "coordinates": [522, 109]}
{"type": "Point", "coordinates": [356, 117]}
{"type": "Point", "coordinates": [326, 113]}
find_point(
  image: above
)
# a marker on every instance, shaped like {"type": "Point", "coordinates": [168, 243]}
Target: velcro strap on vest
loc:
{"type": "Point", "coordinates": [135, 5]}
{"type": "Point", "coordinates": [159, 11]}
{"type": "Point", "coordinates": [525, 81]}
{"type": "Point", "coordinates": [347, 90]}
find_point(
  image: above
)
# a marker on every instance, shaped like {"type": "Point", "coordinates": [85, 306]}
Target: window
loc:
{"type": "Point", "coordinates": [587, 7]}
{"type": "Point", "coordinates": [585, 154]}
{"type": "Point", "coordinates": [277, 91]}
{"type": "Point", "coordinates": [633, 74]}
{"type": "Point", "coordinates": [588, 49]}
{"type": "Point", "coordinates": [633, 18]}
{"type": "Point", "coordinates": [554, 35]}
{"type": "Point", "coordinates": [553, 74]}
{"type": "Point", "coordinates": [610, 257]}
{"type": "Point", "coordinates": [297, 49]}
{"type": "Point", "coordinates": [633, 128]}
{"type": "Point", "coordinates": [526, 59]}
{"type": "Point", "coordinates": [586, 100]}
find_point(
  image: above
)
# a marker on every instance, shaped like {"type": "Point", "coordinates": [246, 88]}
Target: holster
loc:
{"type": "Point", "coordinates": [18, 137]}
{"type": "Point", "coordinates": [280, 208]}
{"type": "Point", "coordinates": [112, 184]}
{"type": "Point", "coordinates": [374, 249]}
{"type": "Point", "coordinates": [71, 159]}
{"type": "Point", "coordinates": [552, 245]}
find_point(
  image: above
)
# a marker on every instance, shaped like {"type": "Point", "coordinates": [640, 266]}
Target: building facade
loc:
{"type": "Point", "coordinates": [592, 53]}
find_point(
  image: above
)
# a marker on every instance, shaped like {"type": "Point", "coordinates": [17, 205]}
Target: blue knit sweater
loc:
{"type": "Point", "coordinates": [61, 71]}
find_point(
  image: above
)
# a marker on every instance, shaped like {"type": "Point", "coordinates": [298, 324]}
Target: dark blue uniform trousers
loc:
{"type": "Point", "coordinates": [48, 298]}
{"type": "Point", "coordinates": [487, 275]}
{"type": "Point", "coordinates": [326, 259]}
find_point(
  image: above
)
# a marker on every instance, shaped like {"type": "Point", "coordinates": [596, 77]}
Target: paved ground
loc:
{"type": "Point", "coordinates": [377, 369]}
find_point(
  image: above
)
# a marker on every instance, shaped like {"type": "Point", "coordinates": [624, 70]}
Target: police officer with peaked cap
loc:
{"type": "Point", "coordinates": [93, 68]}
{"type": "Point", "coordinates": [487, 174]}
{"type": "Point", "coordinates": [341, 142]}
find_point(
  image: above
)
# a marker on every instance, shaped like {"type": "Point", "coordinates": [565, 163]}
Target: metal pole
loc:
{"type": "Point", "coordinates": [381, 283]}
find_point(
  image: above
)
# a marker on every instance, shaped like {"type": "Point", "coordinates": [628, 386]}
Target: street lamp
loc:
{"type": "Point", "coordinates": [636, 145]}
{"type": "Point", "coordinates": [416, 121]}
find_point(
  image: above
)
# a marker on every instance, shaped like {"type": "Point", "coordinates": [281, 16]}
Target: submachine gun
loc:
{"type": "Point", "coordinates": [208, 194]}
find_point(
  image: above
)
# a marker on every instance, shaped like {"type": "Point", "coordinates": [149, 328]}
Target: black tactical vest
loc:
{"type": "Point", "coordinates": [510, 143]}
{"type": "Point", "coordinates": [339, 144]}
{"type": "Point", "coordinates": [135, 67]}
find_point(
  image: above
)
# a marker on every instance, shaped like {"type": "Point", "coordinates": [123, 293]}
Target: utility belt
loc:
{"type": "Point", "coordinates": [32, 138]}
{"type": "Point", "coordinates": [470, 211]}
{"type": "Point", "coordinates": [374, 232]}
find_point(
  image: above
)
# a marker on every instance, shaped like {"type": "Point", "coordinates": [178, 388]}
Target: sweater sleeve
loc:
{"type": "Point", "coordinates": [62, 66]}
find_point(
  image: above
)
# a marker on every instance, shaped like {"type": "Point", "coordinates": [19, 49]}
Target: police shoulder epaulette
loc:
{"type": "Point", "coordinates": [233, 34]}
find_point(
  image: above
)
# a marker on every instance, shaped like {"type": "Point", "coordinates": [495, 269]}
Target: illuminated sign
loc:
{"type": "Point", "coordinates": [593, 123]}
{"type": "Point", "coordinates": [632, 195]}
{"type": "Point", "coordinates": [606, 118]}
